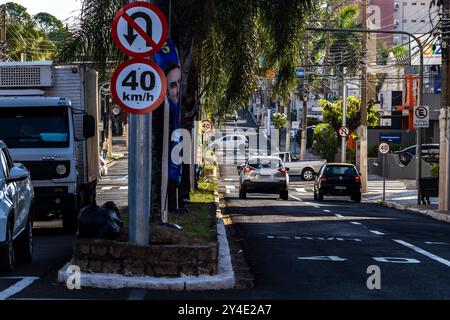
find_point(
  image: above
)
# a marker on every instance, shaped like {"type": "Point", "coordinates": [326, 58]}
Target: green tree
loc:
{"type": "Point", "coordinates": [332, 113]}
{"type": "Point", "coordinates": [17, 13]}
{"type": "Point", "coordinates": [279, 120]}
{"type": "Point", "coordinates": [47, 22]}
{"type": "Point", "coordinates": [326, 141]}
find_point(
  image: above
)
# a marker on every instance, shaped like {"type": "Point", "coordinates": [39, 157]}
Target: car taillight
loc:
{"type": "Point", "coordinates": [282, 170]}
{"type": "Point", "coordinates": [357, 179]}
{"type": "Point", "coordinates": [248, 169]}
{"type": "Point", "coordinates": [323, 179]}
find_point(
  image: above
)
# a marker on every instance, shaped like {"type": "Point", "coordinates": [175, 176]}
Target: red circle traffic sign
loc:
{"type": "Point", "coordinates": [206, 126]}
{"type": "Point", "coordinates": [139, 86]}
{"type": "Point", "coordinates": [344, 131]}
{"type": "Point", "coordinates": [384, 148]}
{"type": "Point", "coordinates": [138, 39]}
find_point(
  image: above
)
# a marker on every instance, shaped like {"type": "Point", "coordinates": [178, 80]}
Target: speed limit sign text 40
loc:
{"type": "Point", "coordinates": [139, 86]}
{"type": "Point", "coordinates": [384, 148]}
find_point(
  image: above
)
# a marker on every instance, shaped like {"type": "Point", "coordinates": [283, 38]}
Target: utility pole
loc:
{"type": "Point", "coordinates": [444, 120]}
{"type": "Point", "coordinates": [344, 119]}
{"type": "Point", "coordinates": [363, 126]}
{"type": "Point", "coordinates": [305, 101]}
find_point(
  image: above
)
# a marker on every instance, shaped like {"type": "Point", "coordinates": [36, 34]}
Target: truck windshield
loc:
{"type": "Point", "coordinates": [34, 127]}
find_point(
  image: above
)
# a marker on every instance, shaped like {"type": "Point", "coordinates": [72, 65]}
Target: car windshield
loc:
{"type": "Point", "coordinates": [45, 127]}
{"type": "Point", "coordinates": [340, 170]}
{"type": "Point", "coordinates": [261, 163]}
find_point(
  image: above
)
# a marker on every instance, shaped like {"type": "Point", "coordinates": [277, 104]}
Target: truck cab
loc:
{"type": "Point", "coordinates": [54, 138]}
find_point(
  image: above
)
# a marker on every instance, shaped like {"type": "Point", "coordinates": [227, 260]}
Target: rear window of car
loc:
{"type": "Point", "coordinates": [340, 170]}
{"type": "Point", "coordinates": [265, 163]}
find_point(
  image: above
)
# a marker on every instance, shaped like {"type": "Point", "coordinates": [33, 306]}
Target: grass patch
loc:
{"type": "Point", "coordinates": [117, 156]}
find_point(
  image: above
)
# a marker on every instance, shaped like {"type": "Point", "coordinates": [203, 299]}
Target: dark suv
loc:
{"type": "Point", "coordinates": [430, 154]}
{"type": "Point", "coordinates": [338, 179]}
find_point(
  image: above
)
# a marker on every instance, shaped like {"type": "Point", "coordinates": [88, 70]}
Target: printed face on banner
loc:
{"type": "Point", "coordinates": [174, 83]}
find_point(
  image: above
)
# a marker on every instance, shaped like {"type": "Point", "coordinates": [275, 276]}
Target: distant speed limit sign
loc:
{"type": "Point", "coordinates": [139, 86]}
{"type": "Point", "coordinates": [384, 148]}
{"type": "Point", "coordinates": [344, 131]}
{"type": "Point", "coordinates": [206, 126]}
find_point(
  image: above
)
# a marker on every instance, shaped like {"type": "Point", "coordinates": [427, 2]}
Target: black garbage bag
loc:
{"type": "Point", "coordinates": [97, 222]}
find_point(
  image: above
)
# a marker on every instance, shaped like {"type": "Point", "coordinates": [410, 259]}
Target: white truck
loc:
{"type": "Point", "coordinates": [48, 120]}
{"type": "Point", "coordinates": [304, 168]}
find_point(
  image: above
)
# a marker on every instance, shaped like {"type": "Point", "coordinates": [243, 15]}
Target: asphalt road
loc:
{"type": "Point", "coordinates": [296, 249]}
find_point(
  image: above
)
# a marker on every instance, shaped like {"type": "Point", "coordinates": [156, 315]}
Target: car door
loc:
{"type": "Point", "coordinates": [11, 191]}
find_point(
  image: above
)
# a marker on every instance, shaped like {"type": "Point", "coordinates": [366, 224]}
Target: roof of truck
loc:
{"type": "Point", "coordinates": [34, 101]}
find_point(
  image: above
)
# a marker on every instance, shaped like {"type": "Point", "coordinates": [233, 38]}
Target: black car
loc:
{"type": "Point", "coordinates": [338, 179]}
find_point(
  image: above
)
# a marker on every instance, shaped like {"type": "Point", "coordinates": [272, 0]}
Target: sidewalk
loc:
{"type": "Point", "coordinates": [402, 195]}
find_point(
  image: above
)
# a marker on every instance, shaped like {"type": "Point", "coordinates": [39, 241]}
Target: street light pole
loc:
{"type": "Point", "coordinates": [344, 120]}
{"type": "Point", "coordinates": [419, 133]}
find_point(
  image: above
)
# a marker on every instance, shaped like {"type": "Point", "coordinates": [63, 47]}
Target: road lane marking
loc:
{"type": "Point", "coordinates": [430, 242]}
{"type": "Point", "coordinates": [230, 187]}
{"type": "Point", "coordinates": [327, 211]}
{"type": "Point", "coordinates": [396, 260]}
{"type": "Point", "coordinates": [300, 190]}
{"type": "Point", "coordinates": [17, 287]}
{"type": "Point", "coordinates": [323, 258]}
{"type": "Point", "coordinates": [423, 252]}
{"type": "Point", "coordinates": [107, 188]}
{"type": "Point", "coordinates": [123, 188]}
{"type": "Point", "coordinates": [356, 223]}
{"type": "Point", "coordinates": [377, 232]}
{"type": "Point", "coordinates": [339, 215]}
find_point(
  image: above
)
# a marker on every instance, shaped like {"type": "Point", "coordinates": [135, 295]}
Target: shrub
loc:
{"type": "Point", "coordinates": [326, 141]}
{"type": "Point", "coordinates": [435, 170]}
{"type": "Point", "coordinates": [279, 120]}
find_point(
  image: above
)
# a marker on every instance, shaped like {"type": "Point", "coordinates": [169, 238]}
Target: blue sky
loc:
{"type": "Point", "coordinates": [62, 9]}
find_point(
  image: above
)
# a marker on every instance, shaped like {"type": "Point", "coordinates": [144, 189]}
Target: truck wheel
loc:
{"type": "Point", "coordinates": [308, 174]}
{"type": "Point", "coordinates": [24, 245]}
{"type": "Point", "coordinates": [69, 219]}
{"type": "Point", "coordinates": [7, 257]}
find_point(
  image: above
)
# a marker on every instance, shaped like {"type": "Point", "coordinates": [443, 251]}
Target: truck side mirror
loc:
{"type": "Point", "coordinates": [88, 126]}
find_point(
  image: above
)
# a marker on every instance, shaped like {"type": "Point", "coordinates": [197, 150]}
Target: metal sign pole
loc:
{"type": "Point", "coordinates": [384, 178]}
{"type": "Point", "coordinates": [344, 122]}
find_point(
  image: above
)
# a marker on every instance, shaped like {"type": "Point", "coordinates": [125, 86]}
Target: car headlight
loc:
{"type": "Point", "coordinates": [61, 169]}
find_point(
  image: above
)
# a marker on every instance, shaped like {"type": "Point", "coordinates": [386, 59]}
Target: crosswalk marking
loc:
{"type": "Point", "coordinates": [107, 188]}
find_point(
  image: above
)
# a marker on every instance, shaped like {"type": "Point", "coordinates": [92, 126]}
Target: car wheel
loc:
{"type": "Point", "coordinates": [7, 257]}
{"type": "Point", "coordinates": [320, 196]}
{"type": "Point", "coordinates": [308, 174]}
{"type": "Point", "coordinates": [284, 195]}
{"type": "Point", "coordinates": [242, 193]}
{"type": "Point", "coordinates": [357, 197]}
{"type": "Point", "coordinates": [24, 245]}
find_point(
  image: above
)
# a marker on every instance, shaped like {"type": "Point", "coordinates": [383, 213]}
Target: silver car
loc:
{"type": "Point", "coordinates": [16, 212]}
{"type": "Point", "coordinates": [263, 174]}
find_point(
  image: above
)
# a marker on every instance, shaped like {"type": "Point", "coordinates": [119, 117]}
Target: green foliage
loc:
{"type": "Point", "coordinates": [373, 151]}
{"type": "Point", "coordinates": [332, 113]}
{"type": "Point", "coordinates": [351, 155]}
{"type": "Point", "coordinates": [435, 170]}
{"type": "Point", "coordinates": [326, 141]}
{"type": "Point", "coordinates": [400, 51]}
{"type": "Point", "coordinates": [382, 52]}
{"type": "Point", "coordinates": [279, 120]}
{"type": "Point", "coordinates": [38, 36]}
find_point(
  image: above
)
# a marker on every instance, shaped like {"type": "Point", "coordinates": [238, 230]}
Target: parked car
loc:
{"type": "Point", "coordinates": [16, 212]}
{"type": "Point", "coordinates": [232, 116]}
{"type": "Point", "coordinates": [430, 153]}
{"type": "Point", "coordinates": [229, 142]}
{"type": "Point", "coordinates": [303, 168]}
{"type": "Point", "coordinates": [263, 174]}
{"type": "Point", "coordinates": [338, 179]}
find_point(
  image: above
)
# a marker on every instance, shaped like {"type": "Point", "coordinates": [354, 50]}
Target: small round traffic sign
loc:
{"type": "Point", "coordinates": [139, 86]}
{"type": "Point", "coordinates": [384, 148]}
{"type": "Point", "coordinates": [421, 112]}
{"type": "Point", "coordinates": [140, 29]}
{"type": "Point", "coordinates": [206, 126]}
{"type": "Point", "coordinates": [344, 131]}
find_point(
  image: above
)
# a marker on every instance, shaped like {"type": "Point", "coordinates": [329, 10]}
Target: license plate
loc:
{"type": "Point", "coordinates": [340, 188]}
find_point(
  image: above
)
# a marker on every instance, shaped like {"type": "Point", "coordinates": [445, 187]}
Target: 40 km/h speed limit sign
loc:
{"type": "Point", "coordinates": [384, 148]}
{"type": "Point", "coordinates": [139, 86]}
{"type": "Point", "coordinates": [206, 126]}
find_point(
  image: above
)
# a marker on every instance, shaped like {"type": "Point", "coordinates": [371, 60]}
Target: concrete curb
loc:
{"type": "Point", "coordinates": [425, 212]}
{"type": "Point", "coordinates": [223, 280]}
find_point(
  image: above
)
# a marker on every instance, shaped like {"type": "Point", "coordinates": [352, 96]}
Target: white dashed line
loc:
{"type": "Point", "coordinates": [377, 232]}
{"type": "Point", "coordinates": [339, 215]}
{"type": "Point", "coordinates": [107, 188]}
{"type": "Point", "coordinates": [230, 187]}
{"type": "Point", "coordinates": [423, 252]}
{"type": "Point", "coordinates": [327, 211]}
{"type": "Point", "coordinates": [301, 190]}
{"type": "Point", "coordinates": [17, 287]}
{"type": "Point", "coordinates": [123, 188]}
{"type": "Point", "coordinates": [356, 223]}
{"type": "Point", "coordinates": [430, 242]}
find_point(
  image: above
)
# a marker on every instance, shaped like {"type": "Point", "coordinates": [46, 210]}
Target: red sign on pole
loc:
{"type": "Point", "coordinates": [140, 29]}
{"type": "Point", "coordinates": [344, 131]}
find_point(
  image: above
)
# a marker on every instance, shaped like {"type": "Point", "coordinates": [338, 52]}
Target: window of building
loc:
{"type": "Point", "coordinates": [423, 20]}
{"type": "Point", "coordinates": [413, 20]}
{"type": "Point", "coordinates": [414, 3]}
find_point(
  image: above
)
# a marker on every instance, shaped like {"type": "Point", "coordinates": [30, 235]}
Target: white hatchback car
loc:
{"type": "Point", "coordinates": [16, 212]}
{"type": "Point", "coordinates": [229, 142]}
